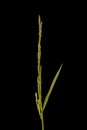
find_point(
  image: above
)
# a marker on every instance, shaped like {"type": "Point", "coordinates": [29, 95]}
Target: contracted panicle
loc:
{"type": "Point", "coordinates": [39, 43]}
{"type": "Point", "coordinates": [39, 58]}
{"type": "Point", "coordinates": [38, 95]}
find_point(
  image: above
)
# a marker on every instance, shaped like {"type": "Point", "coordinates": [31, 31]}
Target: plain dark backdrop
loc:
{"type": "Point", "coordinates": [63, 41]}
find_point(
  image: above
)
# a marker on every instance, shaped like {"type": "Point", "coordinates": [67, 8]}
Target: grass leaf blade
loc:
{"type": "Point", "coordinates": [51, 87]}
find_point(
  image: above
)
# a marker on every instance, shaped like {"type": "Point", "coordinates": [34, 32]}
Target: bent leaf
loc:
{"type": "Point", "coordinates": [51, 87]}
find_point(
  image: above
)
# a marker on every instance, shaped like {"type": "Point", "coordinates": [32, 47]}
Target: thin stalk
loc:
{"type": "Point", "coordinates": [42, 121]}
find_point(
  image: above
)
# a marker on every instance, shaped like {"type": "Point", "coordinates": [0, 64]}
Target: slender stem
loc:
{"type": "Point", "coordinates": [42, 121]}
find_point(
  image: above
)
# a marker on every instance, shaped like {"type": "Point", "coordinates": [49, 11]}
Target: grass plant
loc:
{"type": "Point", "coordinates": [38, 95]}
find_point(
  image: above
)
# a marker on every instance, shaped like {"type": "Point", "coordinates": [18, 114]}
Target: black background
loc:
{"type": "Point", "coordinates": [63, 41]}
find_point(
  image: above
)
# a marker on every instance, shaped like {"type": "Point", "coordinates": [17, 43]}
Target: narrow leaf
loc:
{"type": "Point", "coordinates": [51, 87]}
